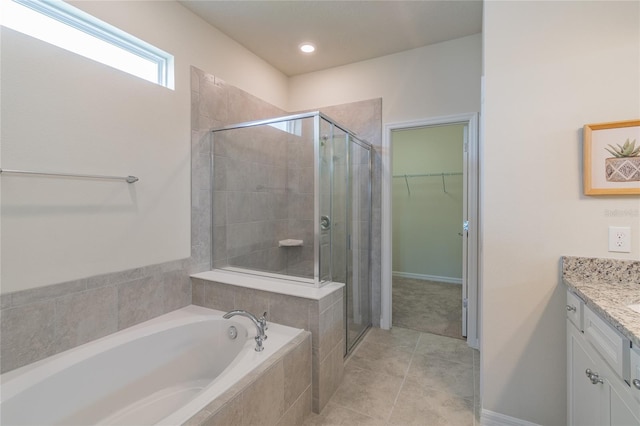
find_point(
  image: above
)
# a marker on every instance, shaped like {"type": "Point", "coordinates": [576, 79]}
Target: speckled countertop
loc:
{"type": "Point", "coordinates": [607, 286]}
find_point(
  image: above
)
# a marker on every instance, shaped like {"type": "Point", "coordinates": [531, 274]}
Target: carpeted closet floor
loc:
{"type": "Point", "coordinates": [428, 306]}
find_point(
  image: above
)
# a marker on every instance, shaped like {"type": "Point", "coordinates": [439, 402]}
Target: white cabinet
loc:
{"type": "Point", "coordinates": [623, 412]}
{"type": "Point", "coordinates": [596, 360]}
{"type": "Point", "coordinates": [574, 310]}
{"type": "Point", "coordinates": [586, 400]}
{"type": "Point", "coordinates": [612, 346]}
{"type": "Point", "coordinates": [635, 373]}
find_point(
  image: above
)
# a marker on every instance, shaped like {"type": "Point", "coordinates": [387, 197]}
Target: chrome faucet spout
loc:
{"type": "Point", "coordinates": [260, 323]}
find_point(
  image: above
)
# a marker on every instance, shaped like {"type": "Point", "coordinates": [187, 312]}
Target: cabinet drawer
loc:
{"type": "Point", "coordinates": [574, 310]}
{"type": "Point", "coordinates": [635, 373]}
{"type": "Point", "coordinates": [612, 346]}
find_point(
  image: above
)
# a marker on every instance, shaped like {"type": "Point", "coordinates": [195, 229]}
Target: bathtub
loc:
{"type": "Point", "coordinates": [161, 372]}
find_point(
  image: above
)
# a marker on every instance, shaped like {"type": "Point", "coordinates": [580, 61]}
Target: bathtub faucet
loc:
{"type": "Point", "coordinates": [260, 323]}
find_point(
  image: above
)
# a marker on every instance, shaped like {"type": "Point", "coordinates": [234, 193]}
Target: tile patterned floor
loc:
{"type": "Point", "coordinates": [427, 306]}
{"type": "Point", "coordinates": [405, 377]}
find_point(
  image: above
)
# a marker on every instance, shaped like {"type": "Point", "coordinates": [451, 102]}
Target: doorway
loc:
{"type": "Point", "coordinates": [427, 216]}
{"type": "Point", "coordinates": [430, 221]}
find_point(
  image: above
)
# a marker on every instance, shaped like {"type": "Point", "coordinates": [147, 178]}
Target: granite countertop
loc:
{"type": "Point", "coordinates": [607, 286]}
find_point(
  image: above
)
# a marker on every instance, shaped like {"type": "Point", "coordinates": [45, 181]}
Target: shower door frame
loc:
{"type": "Point", "coordinates": [316, 281]}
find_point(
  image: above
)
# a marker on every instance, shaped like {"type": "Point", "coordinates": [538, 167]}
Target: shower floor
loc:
{"type": "Point", "coordinates": [428, 306]}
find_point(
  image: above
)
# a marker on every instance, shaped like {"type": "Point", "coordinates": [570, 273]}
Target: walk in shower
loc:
{"type": "Point", "coordinates": [292, 200]}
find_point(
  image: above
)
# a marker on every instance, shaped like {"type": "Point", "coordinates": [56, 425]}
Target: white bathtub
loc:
{"type": "Point", "coordinates": [162, 371]}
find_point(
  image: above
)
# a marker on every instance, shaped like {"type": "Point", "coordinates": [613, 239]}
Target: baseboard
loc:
{"type": "Point", "coordinates": [449, 280]}
{"type": "Point", "coordinates": [491, 418]}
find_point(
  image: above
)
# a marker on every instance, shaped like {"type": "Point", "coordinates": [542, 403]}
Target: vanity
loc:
{"type": "Point", "coordinates": [603, 341]}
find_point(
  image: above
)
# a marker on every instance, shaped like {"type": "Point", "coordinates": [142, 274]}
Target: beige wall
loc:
{"type": "Point", "coordinates": [62, 112]}
{"type": "Point", "coordinates": [550, 68]}
{"type": "Point", "coordinates": [427, 217]}
{"type": "Point", "coordinates": [441, 79]}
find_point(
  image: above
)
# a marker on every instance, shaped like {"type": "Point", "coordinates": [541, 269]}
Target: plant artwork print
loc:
{"type": "Point", "coordinates": [611, 158]}
{"type": "Point", "coordinates": [624, 166]}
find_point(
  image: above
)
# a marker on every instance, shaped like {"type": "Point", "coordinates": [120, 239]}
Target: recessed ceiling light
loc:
{"type": "Point", "coordinates": [307, 48]}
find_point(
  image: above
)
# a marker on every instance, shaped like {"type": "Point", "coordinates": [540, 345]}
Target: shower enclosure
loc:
{"type": "Point", "coordinates": [292, 200]}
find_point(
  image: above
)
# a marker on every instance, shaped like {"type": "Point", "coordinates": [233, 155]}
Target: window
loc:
{"type": "Point", "coordinates": [67, 27]}
{"type": "Point", "coordinates": [290, 126]}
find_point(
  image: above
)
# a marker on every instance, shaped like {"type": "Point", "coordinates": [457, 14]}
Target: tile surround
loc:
{"type": "Point", "coordinates": [324, 318]}
{"type": "Point", "coordinates": [277, 393]}
{"type": "Point", "coordinates": [40, 322]}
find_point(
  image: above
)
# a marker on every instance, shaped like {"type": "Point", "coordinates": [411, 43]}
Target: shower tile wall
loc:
{"type": "Point", "coordinates": [263, 181]}
{"type": "Point", "coordinates": [253, 190]}
{"type": "Point", "coordinates": [267, 190]}
{"type": "Point", "coordinates": [215, 104]}
{"type": "Point", "coordinates": [300, 179]}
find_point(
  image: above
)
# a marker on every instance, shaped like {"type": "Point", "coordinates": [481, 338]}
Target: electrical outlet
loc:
{"type": "Point", "coordinates": [620, 239]}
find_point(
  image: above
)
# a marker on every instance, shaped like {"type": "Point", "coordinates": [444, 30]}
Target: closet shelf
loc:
{"type": "Point", "coordinates": [442, 175]}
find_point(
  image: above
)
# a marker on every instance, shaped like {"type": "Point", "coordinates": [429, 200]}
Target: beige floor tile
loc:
{"type": "Point", "coordinates": [400, 338]}
{"type": "Point", "coordinates": [335, 415]}
{"type": "Point", "coordinates": [367, 392]}
{"type": "Point", "coordinates": [434, 378]}
{"type": "Point", "coordinates": [420, 405]}
{"type": "Point", "coordinates": [443, 375]}
{"type": "Point", "coordinates": [381, 359]}
{"type": "Point", "coordinates": [445, 347]}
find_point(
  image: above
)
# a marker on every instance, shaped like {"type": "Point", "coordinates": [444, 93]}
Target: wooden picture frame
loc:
{"type": "Point", "coordinates": [603, 173]}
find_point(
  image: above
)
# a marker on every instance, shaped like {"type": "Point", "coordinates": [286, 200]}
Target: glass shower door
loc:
{"type": "Point", "coordinates": [358, 297]}
{"type": "Point", "coordinates": [333, 175]}
{"type": "Point", "coordinates": [344, 228]}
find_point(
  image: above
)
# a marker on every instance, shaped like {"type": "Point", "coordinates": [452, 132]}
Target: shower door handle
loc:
{"type": "Point", "coordinates": [325, 223]}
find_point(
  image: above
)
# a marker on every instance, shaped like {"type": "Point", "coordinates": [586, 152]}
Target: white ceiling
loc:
{"type": "Point", "coordinates": [343, 31]}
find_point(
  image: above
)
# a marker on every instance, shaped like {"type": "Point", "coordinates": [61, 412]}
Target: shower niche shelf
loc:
{"type": "Point", "coordinates": [290, 243]}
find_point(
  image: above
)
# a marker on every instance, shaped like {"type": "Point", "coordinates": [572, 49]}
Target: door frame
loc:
{"type": "Point", "coordinates": [472, 121]}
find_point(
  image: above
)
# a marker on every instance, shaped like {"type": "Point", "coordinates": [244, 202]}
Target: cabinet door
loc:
{"type": "Point", "coordinates": [635, 373]}
{"type": "Point", "coordinates": [588, 402]}
{"type": "Point", "coordinates": [621, 414]}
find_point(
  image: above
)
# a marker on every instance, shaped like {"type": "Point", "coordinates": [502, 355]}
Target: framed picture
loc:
{"type": "Point", "coordinates": [612, 158]}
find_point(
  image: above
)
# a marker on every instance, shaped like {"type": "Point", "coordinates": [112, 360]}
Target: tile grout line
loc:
{"type": "Point", "coordinates": [404, 379]}
{"type": "Point", "coordinates": [351, 408]}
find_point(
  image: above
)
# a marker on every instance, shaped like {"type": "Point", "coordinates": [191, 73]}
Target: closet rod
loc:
{"type": "Point", "coordinates": [129, 179]}
{"type": "Point", "coordinates": [429, 174]}
{"type": "Point", "coordinates": [444, 187]}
